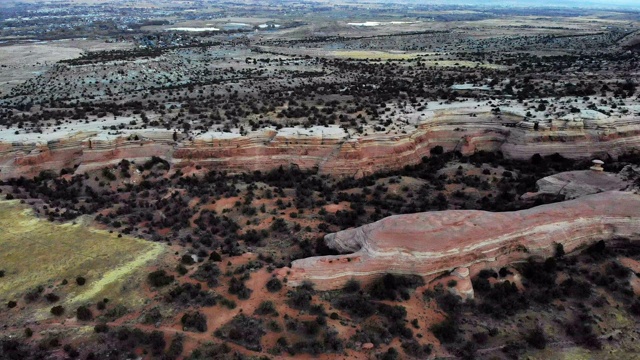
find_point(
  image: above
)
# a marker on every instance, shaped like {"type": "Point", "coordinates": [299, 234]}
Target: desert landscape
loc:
{"type": "Point", "coordinates": [319, 179]}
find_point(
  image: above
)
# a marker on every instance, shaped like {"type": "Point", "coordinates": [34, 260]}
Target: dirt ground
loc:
{"type": "Point", "coordinates": [19, 63]}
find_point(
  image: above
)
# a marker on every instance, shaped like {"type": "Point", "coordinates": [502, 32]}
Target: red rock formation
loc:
{"type": "Point", "coordinates": [330, 150]}
{"type": "Point", "coordinates": [458, 282]}
{"type": "Point", "coordinates": [432, 243]}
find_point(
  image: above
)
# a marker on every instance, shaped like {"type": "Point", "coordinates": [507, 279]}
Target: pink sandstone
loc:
{"type": "Point", "coordinates": [329, 150]}
{"type": "Point", "coordinates": [435, 243]}
{"type": "Point", "coordinates": [367, 346]}
{"type": "Point", "coordinates": [463, 287]}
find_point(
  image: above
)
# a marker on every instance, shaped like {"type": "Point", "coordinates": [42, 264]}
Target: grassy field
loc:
{"type": "Point", "coordinates": [373, 54]}
{"type": "Point", "coordinates": [426, 58]}
{"type": "Point", "coordinates": [37, 252]}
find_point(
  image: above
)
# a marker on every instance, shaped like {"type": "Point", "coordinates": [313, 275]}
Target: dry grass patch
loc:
{"type": "Point", "coordinates": [37, 252]}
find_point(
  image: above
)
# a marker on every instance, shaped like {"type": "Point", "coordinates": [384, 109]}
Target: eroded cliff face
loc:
{"type": "Point", "coordinates": [330, 150]}
{"type": "Point", "coordinates": [432, 243]}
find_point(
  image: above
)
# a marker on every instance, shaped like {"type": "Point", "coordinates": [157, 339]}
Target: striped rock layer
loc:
{"type": "Point", "coordinates": [431, 244]}
{"type": "Point", "coordinates": [329, 150]}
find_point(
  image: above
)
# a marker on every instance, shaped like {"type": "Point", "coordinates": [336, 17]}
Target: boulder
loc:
{"type": "Point", "coordinates": [463, 287]}
{"type": "Point", "coordinates": [432, 244]}
{"type": "Point", "coordinates": [575, 184]}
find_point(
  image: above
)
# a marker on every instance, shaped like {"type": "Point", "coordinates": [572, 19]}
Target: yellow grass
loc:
{"type": "Point", "coordinates": [356, 54]}
{"type": "Point", "coordinates": [382, 55]}
{"type": "Point", "coordinates": [38, 252]}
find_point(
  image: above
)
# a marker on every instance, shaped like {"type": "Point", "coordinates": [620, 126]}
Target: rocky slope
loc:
{"type": "Point", "coordinates": [435, 243]}
{"type": "Point", "coordinates": [331, 150]}
{"type": "Point", "coordinates": [575, 184]}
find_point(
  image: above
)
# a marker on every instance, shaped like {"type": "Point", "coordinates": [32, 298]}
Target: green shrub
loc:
{"type": "Point", "coordinates": [266, 307]}
{"type": "Point", "coordinates": [274, 285]}
{"type": "Point", "coordinates": [392, 287]}
{"type": "Point", "coordinates": [446, 331]}
{"type": "Point", "coordinates": [194, 321]}
{"type": "Point", "coordinates": [351, 286]}
{"type": "Point", "coordinates": [84, 313]}
{"type": "Point", "coordinates": [159, 278]}
{"type": "Point", "coordinates": [537, 338]}
{"type": "Point", "coordinates": [57, 310]}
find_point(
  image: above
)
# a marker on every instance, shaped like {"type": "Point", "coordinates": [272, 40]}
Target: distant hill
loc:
{"type": "Point", "coordinates": [631, 4]}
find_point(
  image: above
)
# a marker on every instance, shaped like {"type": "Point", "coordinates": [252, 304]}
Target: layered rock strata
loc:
{"type": "Point", "coordinates": [574, 184]}
{"type": "Point", "coordinates": [330, 150]}
{"type": "Point", "coordinates": [435, 243]}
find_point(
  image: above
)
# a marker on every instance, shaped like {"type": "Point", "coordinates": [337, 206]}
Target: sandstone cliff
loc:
{"type": "Point", "coordinates": [330, 150]}
{"type": "Point", "coordinates": [434, 243]}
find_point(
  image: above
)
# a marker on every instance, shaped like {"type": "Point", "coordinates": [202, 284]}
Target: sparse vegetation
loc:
{"type": "Point", "coordinates": [178, 103]}
{"type": "Point", "coordinates": [243, 330]}
{"type": "Point", "coordinates": [194, 321]}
